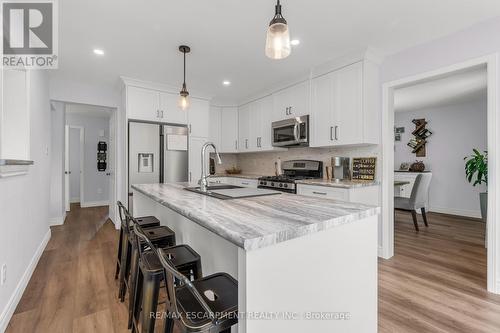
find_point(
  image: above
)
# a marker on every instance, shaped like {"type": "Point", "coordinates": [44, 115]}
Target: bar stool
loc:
{"type": "Point", "coordinates": [150, 275]}
{"type": "Point", "coordinates": [161, 236]}
{"type": "Point", "coordinates": [144, 221]}
{"type": "Point", "coordinates": [215, 297]}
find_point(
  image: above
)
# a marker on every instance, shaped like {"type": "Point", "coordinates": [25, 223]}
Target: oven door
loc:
{"type": "Point", "coordinates": [291, 132]}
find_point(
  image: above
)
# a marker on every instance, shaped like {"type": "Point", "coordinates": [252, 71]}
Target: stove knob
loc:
{"type": "Point", "coordinates": [281, 185]}
{"type": "Point", "coordinates": [261, 183]}
{"type": "Point", "coordinates": [272, 184]}
{"type": "Point", "coordinates": [285, 185]}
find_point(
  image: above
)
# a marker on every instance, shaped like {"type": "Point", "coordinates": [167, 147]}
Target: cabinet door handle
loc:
{"type": "Point", "coordinates": [289, 110]}
{"type": "Point", "coordinates": [190, 178]}
{"type": "Point", "coordinates": [246, 143]}
{"type": "Point", "coordinates": [331, 133]}
{"type": "Point", "coordinates": [189, 128]}
{"type": "Point", "coordinates": [336, 132]}
{"type": "Point", "coordinates": [162, 114]}
{"type": "Point", "coordinates": [157, 113]}
{"type": "Point", "coordinates": [322, 193]}
{"type": "Point", "coordinates": [245, 183]}
{"type": "Point", "coordinates": [236, 144]}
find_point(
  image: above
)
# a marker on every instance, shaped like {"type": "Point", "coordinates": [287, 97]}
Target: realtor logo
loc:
{"type": "Point", "coordinates": [29, 34]}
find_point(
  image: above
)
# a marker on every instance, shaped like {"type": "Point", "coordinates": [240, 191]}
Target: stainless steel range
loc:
{"type": "Point", "coordinates": [292, 171]}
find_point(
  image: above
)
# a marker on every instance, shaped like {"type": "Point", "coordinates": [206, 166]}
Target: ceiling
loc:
{"type": "Point", "coordinates": [88, 110]}
{"type": "Point", "coordinates": [451, 89]}
{"type": "Point", "coordinates": [227, 37]}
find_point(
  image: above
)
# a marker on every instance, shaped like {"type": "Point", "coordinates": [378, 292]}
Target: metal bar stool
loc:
{"type": "Point", "coordinates": [144, 221]}
{"type": "Point", "coordinates": [160, 235]}
{"type": "Point", "coordinates": [150, 275]}
{"type": "Point", "coordinates": [215, 297]}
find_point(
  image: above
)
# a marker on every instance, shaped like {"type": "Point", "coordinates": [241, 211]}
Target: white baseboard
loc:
{"type": "Point", "coordinates": [59, 220]}
{"type": "Point", "coordinates": [94, 204]}
{"type": "Point", "coordinates": [9, 309]}
{"type": "Point", "coordinates": [454, 211]}
{"type": "Point", "coordinates": [74, 200]}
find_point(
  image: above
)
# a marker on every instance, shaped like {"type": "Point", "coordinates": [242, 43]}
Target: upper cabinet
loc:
{"type": "Point", "coordinates": [343, 108]}
{"type": "Point", "coordinates": [292, 102]}
{"type": "Point", "coordinates": [198, 114]}
{"type": "Point", "coordinates": [15, 115]}
{"type": "Point", "coordinates": [244, 128]}
{"type": "Point", "coordinates": [152, 105]}
{"type": "Point", "coordinates": [229, 130]}
{"type": "Point", "coordinates": [214, 126]}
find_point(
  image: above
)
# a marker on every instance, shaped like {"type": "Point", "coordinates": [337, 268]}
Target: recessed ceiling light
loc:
{"type": "Point", "coordinates": [98, 51]}
{"type": "Point", "coordinates": [295, 42]}
{"type": "Point", "coordinates": [226, 83]}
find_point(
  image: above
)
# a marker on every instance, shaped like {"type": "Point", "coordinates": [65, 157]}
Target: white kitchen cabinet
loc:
{"type": "Point", "coordinates": [244, 128]}
{"type": "Point", "coordinates": [169, 110]}
{"type": "Point", "coordinates": [229, 130]}
{"type": "Point", "coordinates": [366, 195]}
{"type": "Point", "coordinates": [266, 116]}
{"type": "Point", "coordinates": [215, 126]}
{"type": "Point", "coordinates": [198, 118]}
{"type": "Point", "coordinates": [243, 182]}
{"type": "Point", "coordinates": [143, 104]}
{"type": "Point", "coordinates": [194, 156]}
{"type": "Point", "coordinates": [343, 107]}
{"type": "Point", "coordinates": [153, 105]}
{"type": "Point", "coordinates": [292, 101]}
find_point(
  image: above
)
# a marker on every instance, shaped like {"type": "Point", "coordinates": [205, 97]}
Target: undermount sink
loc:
{"type": "Point", "coordinates": [225, 192]}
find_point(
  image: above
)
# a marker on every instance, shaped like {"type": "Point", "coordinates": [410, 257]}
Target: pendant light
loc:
{"type": "Point", "coordinates": [278, 36]}
{"type": "Point", "coordinates": [184, 94]}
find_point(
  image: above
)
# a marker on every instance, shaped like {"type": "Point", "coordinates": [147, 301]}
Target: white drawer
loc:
{"type": "Point", "coordinates": [244, 182]}
{"type": "Point", "coordinates": [323, 192]}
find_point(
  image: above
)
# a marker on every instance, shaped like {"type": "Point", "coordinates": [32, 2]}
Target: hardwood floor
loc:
{"type": "Point", "coordinates": [436, 282]}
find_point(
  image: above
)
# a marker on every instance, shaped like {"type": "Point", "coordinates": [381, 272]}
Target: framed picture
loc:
{"type": "Point", "coordinates": [397, 137]}
{"type": "Point", "coordinates": [400, 130]}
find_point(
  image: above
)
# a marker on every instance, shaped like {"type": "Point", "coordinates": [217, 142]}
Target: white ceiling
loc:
{"type": "Point", "coordinates": [88, 110]}
{"type": "Point", "coordinates": [451, 89]}
{"type": "Point", "coordinates": [227, 37]}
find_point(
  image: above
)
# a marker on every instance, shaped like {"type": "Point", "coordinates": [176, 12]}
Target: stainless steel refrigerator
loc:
{"type": "Point", "coordinates": [157, 154]}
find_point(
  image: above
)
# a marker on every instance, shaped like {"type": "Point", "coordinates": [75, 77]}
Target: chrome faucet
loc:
{"type": "Point", "coordinates": [204, 177]}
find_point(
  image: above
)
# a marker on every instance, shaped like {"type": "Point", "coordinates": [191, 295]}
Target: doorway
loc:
{"type": "Point", "coordinates": [388, 141]}
{"type": "Point", "coordinates": [75, 181]}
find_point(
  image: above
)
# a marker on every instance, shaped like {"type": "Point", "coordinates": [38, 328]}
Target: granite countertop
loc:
{"type": "Point", "coordinates": [340, 184]}
{"type": "Point", "coordinates": [253, 223]}
{"type": "Point", "coordinates": [241, 175]}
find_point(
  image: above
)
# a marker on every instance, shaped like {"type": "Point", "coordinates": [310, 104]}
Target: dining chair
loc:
{"type": "Point", "coordinates": [418, 199]}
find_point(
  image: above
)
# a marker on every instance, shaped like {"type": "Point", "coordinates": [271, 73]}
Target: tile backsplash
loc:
{"type": "Point", "coordinates": [263, 163]}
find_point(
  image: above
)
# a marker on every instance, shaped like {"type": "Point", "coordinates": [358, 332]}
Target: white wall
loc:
{"type": "Point", "coordinates": [24, 204]}
{"type": "Point", "coordinates": [474, 42]}
{"type": "Point", "coordinates": [96, 183]}
{"type": "Point", "coordinates": [74, 165]}
{"type": "Point", "coordinates": [57, 209]}
{"type": "Point", "coordinates": [457, 129]}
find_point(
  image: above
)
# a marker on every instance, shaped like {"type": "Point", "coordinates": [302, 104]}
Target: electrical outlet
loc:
{"type": "Point", "coordinates": [3, 274]}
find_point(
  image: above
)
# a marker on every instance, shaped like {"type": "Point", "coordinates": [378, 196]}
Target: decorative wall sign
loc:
{"type": "Point", "coordinates": [421, 134]}
{"type": "Point", "coordinates": [102, 147]}
{"type": "Point", "coordinates": [363, 168]}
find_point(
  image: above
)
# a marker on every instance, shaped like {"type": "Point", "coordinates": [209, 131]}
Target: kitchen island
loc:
{"type": "Point", "coordinates": [302, 263]}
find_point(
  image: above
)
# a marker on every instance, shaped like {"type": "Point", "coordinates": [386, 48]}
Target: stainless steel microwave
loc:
{"type": "Point", "coordinates": [291, 132]}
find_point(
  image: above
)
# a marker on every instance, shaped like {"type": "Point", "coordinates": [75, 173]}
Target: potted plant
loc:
{"type": "Point", "coordinates": [476, 171]}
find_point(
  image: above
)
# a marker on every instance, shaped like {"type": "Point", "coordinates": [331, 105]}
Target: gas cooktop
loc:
{"type": "Point", "coordinates": [292, 171]}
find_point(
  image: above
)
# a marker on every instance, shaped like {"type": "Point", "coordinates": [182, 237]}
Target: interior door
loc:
{"type": "Point", "coordinates": [66, 168]}
{"type": "Point", "coordinates": [111, 167]}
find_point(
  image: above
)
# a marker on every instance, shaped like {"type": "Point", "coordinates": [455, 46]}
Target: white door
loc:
{"type": "Point", "coordinates": [229, 130]}
{"type": "Point", "coordinates": [266, 116]}
{"type": "Point", "coordinates": [66, 168]}
{"type": "Point", "coordinates": [214, 128]}
{"type": "Point", "coordinates": [110, 173]}
{"type": "Point", "coordinates": [198, 118]}
{"type": "Point", "coordinates": [195, 145]}
{"type": "Point", "coordinates": [321, 126]}
{"type": "Point", "coordinates": [143, 104]}
{"type": "Point", "coordinates": [244, 128]}
{"type": "Point", "coordinates": [348, 101]}
{"type": "Point", "coordinates": [169, 111]}
{"type": "Point", "coordinates": [255, 125]}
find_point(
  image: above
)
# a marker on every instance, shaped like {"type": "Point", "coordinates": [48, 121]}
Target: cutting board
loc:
{"type": "Point", "coordinates": [245, 192]}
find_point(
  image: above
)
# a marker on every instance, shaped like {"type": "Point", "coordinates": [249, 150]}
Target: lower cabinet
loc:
{"type": "Point", "coordinates": [243, 182]}
{"type": "Point", "coordinates": [368, 195]}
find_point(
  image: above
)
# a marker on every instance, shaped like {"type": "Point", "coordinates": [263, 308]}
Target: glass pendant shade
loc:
{"type": "Point", "coordinates": [183, 102]}
{"type": "Point", "coordinates": [278, 41]}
